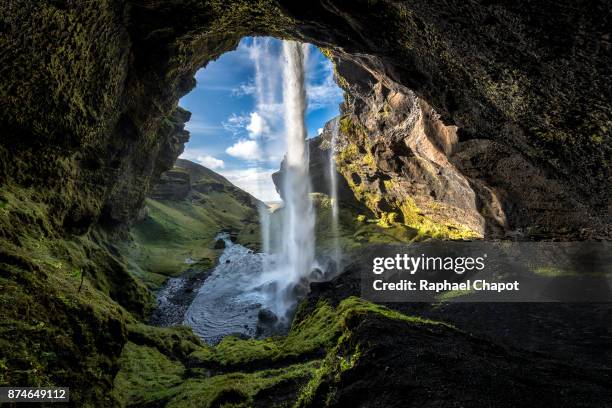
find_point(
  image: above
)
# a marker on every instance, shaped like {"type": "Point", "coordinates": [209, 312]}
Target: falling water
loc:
{"type": "Point", "coordinates": [297, 248]}
{"type": "Point", "coordinates": [264, 220]}
{"type": "Point", "coordinates": [245, 284]}
{"type": "Point", "coordinates": [334, 192]}
{"type": "Point", "coordinates": [265, 85]}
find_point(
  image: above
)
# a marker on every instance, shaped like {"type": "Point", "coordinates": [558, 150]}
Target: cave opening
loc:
{"type": "Point", "coordinates": [91, 130]}
{"type": "Point", "coordinates": [257, 111]}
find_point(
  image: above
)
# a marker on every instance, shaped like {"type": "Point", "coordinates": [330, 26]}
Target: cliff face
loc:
{"type": "Point", "coordinates": [407, 166]}
{"type": "Point", "coordinates": [393, 151]}
{"type": "Point", "coordinates": [320, 173]}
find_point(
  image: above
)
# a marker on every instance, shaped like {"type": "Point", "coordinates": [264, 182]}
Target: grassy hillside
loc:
{"type": "Point", "coordinates": [179, 234]}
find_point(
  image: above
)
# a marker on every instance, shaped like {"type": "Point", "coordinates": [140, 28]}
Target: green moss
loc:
{"type": "Point", "coordinates": [354, 229]}
{"type": "Point", "coordinates": [453, 294]}
{"type": "Point", "coordinates": [306, 337]}
{"type": "Point", "coordinates": [177, 342]}
{"type": "Point", "coordinates": [556, 272]}
{"type": "Point", "coordinates": [63, 302]}
{"type": "Point", "coordinates": [146, 375]}
{"type": "Point", "coordinates": [346, 352]}
{"type": "Point", "coordinates": [387, 219]}
{"type": "Point", "coordinates": [152, 371]}
{"type": "Point", "coordinates": [240, 389]}
{"type": "Point", "coordinates": [315, 332]}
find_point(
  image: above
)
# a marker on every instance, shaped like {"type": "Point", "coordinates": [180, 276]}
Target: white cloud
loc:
{"type": "Point", "coordinates": [236, 123]}
{"type": "Point", "coordinates": [198, 126]}
{"type": "Point", "coordinates": [257, 125]}
{"type": "Point", "coordinates": [255, 180]}
{"type": "Point", "coordinates": [210, 162]}
{"type": "Point", "coordinates": [244, 89]}
{"type": "Point", "coordinates": [319, 131]}
{"type": "Point", "coordinates": [245, 149]}
{"type": "Point", "coordinates": [192, 153]}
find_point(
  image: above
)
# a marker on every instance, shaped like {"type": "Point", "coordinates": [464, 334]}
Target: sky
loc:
{"type": "Point", "coordinates": [237, 122]}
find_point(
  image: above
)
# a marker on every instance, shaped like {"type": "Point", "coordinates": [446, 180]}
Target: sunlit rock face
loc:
{"type": "Point", "coordinates": [393, 150]}
{"type": "Point", "coordinates": [399, 157]}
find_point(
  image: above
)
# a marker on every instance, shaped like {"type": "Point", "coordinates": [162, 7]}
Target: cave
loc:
{"type": "Point", "coordinates": [493, 118]}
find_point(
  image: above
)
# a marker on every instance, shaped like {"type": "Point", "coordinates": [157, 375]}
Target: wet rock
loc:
{"type": "Point", "coordinates": [266, 316]}
{"type": "Point", "coordinates": [301, 288]}
{"type": "Point", "coordinates": [316, 274]}
{"type": "Point", "coordinates": [219, 244]}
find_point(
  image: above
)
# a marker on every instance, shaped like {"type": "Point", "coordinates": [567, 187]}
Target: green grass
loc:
{"type": "Point", "coordinates": [175, 231]}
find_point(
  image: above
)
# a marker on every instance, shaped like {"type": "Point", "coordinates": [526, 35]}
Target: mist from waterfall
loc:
{"type": "Point", "coordinates": [265, 63]}
{"type": "Point", "coordinates": [334, 193]}
{"type": "Point", "coordinates": [295, 260]}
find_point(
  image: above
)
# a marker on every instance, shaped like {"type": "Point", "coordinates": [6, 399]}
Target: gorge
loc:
{"type": "Point", "coordinates": [461, 121]}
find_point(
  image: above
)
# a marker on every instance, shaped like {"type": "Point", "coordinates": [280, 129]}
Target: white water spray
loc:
{"type": "Point", "coordinates": [266, 67]}
{"type": "Point", "coordinates": [334, 193]}
{"type": "Point", "coordinates": [297, 243]}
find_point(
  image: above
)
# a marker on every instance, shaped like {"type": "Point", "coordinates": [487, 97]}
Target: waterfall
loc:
{"type": "Point", "coordinates": [297, 243]}
{"type": "Point", "coordinates": [245, 283]}
{"type": "Point", "coordinates": [334, 193]}
{"type": "Point", "coordinates": [264, 220]}
{"type": "Point", "coordinates": [264, 65]}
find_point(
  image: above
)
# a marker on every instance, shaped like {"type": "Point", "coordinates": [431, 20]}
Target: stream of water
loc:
{"type": "Point", "coordinates": [229, 302]}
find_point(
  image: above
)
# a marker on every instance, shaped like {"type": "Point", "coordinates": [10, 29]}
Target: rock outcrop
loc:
{"type": "Point", "coordinates": [172, 185]}
{"type": "Point", "coordinates": [320, 173]}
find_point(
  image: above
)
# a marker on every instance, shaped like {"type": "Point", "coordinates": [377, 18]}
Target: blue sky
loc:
{"type": "Point", "coordinates": [237, 112]}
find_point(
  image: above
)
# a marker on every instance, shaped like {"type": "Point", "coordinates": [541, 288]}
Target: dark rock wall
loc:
{"type": "Point", "coordinates": [530, 75]}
